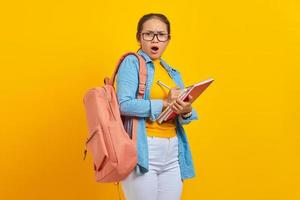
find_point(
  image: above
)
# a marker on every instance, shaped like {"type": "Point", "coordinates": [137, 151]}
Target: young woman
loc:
{"type": "Point", "coordinates": [164, 157]}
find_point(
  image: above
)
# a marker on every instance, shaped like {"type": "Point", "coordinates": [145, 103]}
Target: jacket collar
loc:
{"type": "Point", "coordinates": [144, 55]}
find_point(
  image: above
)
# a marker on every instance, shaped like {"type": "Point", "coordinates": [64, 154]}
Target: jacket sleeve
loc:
{"type": "Point", "coordinates": [127, 88]}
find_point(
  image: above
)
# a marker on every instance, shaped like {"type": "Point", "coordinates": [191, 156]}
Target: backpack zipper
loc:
{"type": "Point", "coordinates": [87, 141]}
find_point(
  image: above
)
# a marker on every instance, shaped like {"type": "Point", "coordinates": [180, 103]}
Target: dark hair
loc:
{"type": "Point", "coordinates": [149, 16]}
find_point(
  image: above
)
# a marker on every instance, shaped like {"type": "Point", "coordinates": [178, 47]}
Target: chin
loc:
{"type": "Point", "coordinates": [155, 56]}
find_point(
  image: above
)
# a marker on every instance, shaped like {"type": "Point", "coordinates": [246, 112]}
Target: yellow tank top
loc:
{"type": "Point", "coordinates": [165, 129]}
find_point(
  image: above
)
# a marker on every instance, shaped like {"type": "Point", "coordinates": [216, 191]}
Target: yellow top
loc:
{"type": "Point", "coordinates": [165, 129]}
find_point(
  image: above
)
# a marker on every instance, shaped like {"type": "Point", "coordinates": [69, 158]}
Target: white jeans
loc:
{"type": "Point", "coordinates": [163, 180]}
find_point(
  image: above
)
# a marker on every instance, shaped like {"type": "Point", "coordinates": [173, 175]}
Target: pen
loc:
{"type": "Point", "coordinates": [161, 83]}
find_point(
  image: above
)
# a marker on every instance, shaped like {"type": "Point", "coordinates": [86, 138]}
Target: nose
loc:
{"type": "Point", "coordinates": [155, 39]}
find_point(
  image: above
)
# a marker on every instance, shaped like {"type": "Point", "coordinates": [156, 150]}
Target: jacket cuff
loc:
{"type": "Point", "coordinates": [156, 106]}
{"type": "Point", "coordinates": [194, 116]}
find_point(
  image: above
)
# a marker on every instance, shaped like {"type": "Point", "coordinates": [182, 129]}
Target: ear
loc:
{"type": "Point", "coordinates": [139, 43]}
{"type": "Point", "coordinates": [138, 38]}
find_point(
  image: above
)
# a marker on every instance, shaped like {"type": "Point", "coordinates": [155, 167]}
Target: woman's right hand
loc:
{"type": "Point", "coordinates": [172, 96]}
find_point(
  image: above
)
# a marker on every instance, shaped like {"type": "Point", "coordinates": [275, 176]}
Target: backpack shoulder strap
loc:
{"type": "Point", "coordinates": [141, 87]}
{"type": "Point", "coordinates": [142, 73]}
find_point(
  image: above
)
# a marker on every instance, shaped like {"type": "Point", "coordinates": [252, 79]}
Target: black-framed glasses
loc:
{"type": "Point", "coordinates": [149, 36]}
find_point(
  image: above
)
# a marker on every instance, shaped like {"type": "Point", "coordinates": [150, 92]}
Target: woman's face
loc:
{"type": "Point", "coordinates": [154, 48]}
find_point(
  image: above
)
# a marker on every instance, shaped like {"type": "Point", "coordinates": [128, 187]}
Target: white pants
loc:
{"type": "Point", "coordinates": [163, 180]}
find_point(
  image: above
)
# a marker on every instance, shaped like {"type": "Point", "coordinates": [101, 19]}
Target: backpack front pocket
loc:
{"type": "Point", "coordinates": [96, 146]}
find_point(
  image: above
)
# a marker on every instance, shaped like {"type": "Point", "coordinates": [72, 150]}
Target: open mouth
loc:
{"type": "Point", "coordinates": [154, 49]}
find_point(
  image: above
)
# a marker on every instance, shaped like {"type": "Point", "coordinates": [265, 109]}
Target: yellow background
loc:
{"type": "Point", "coordinates": [245, 144]}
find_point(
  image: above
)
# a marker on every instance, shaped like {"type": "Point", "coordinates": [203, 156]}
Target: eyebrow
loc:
{"type": "Point", "coordinates": [157, 31]}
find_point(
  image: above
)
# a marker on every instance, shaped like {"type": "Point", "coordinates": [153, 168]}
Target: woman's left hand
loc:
{"type": "Point", "coordinates": [182, 107]}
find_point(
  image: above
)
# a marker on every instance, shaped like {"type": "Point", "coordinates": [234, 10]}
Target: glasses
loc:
{"type": "Point", "coordinates": [149, 36]}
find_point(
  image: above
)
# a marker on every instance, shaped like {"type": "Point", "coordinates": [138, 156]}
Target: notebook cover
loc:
{"type": "Point", "coordinates": [195, 91]}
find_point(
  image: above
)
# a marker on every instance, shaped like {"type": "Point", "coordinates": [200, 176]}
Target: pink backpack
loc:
{"type": "Point", "coordinates": [113, 151]}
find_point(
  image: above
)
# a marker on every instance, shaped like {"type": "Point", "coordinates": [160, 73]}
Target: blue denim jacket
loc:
{"type": "Point", "coordinates": [127, 89]}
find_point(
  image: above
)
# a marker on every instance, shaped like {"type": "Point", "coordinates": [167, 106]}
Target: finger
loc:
{"type": "Point", "coordinates": [180, 102]}
{"type": "Point", "coordinates": [174, 108]}
{"type": "Point", "coordinates": [175, 98]}
{"type": "Point", "coordinates": [179, 107]}
{"type": "Point", "coordinates": [190, 98]}
{"type": "Point", "coordinates": [183, 103]}
{"type": "Point", "coordinates": [186, 109]}
{"type": "Point", "coordinates": [175, 93]}
{"type": "Point", "coordinates": [176, 90]}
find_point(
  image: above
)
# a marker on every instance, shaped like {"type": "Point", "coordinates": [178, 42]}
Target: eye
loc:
{"type": "Point", "coordinates": [148, 34]}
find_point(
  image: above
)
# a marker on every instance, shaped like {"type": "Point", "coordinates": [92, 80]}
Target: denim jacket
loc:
{"type": "Point", "coordinates": [127, 89]}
